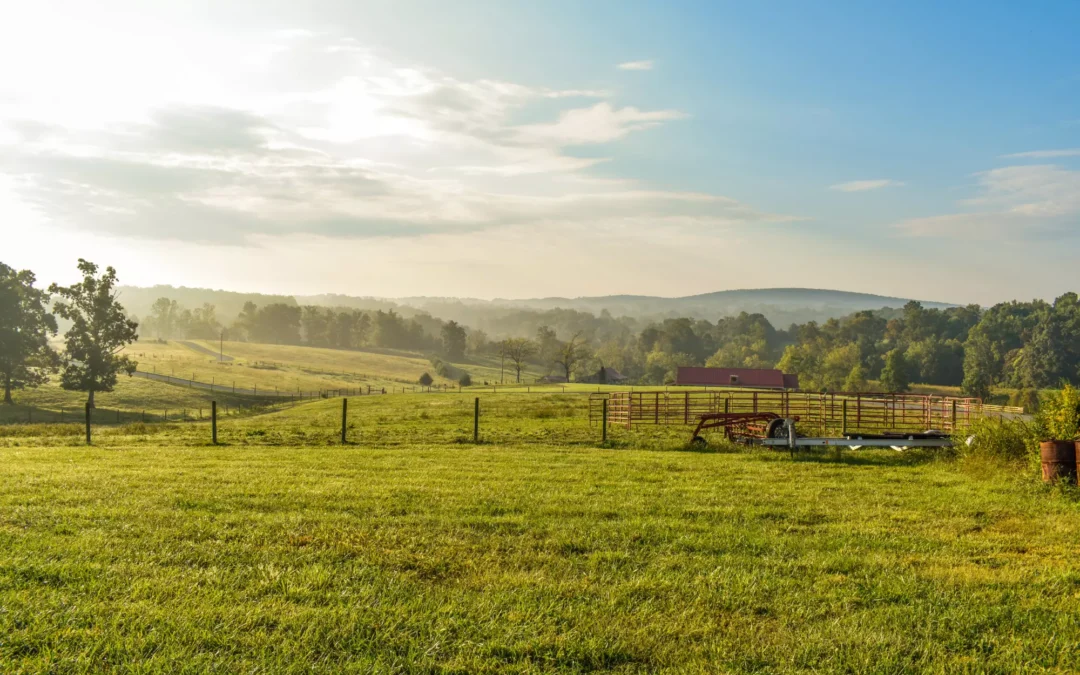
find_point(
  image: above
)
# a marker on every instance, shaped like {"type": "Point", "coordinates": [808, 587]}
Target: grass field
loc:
{"type": "Point", "coordinates": [289, 368]}
{"type": "Point", "coordinates": [535, 558]}
{"type": "Point", "coordinates": [414, 550]}
{"type": "Point", "coordinates": [132, 397]}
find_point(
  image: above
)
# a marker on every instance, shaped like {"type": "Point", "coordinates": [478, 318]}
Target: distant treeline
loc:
{"type": "Point", "coordinates": [1019, 345]}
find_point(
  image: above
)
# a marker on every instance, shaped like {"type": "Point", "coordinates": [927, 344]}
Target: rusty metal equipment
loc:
{"type": "Point", "coordinates": [741, 426]}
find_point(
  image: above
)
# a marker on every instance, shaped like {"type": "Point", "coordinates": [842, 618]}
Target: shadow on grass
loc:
{"type": "Point", "coordinates": [868, 457]}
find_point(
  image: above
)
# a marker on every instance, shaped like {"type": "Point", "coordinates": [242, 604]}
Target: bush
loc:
{"type": "Point", "coordinates": [1059, 415]}
{"type": "Point", "coordinates": [447, 370]}
{"type": "Point", "coordinates": [426, 380]}
{"type": "Point", "coordinates": [465, 380]}
{"type": "Point", "coordinates": [1011, 441]}
{"type": "Point", "coordinates": [1028, 399]}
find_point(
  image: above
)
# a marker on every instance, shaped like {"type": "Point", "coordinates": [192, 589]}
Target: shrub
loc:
{"type": "Point", "coordinates": [1028, 399]}
{"type": "Point", "coordinates": [1059, 415]}
{"type": "Point", "coordinates": [1003, 440]}
{"type": "Point", "coordinates": [426, 380]}
{"type": "Point", "coordinates": [447, 370]}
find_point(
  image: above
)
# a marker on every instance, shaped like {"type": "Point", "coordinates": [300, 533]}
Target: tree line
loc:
{"type": "Point", "coordinates": [1021, 345]}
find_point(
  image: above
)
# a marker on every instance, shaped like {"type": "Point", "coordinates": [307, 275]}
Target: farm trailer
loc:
{"type": "Point", "coordinates": [767, 414]}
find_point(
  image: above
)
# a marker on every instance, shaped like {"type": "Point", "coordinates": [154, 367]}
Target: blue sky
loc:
{"type": "Point", "coordinates": [556, 148]}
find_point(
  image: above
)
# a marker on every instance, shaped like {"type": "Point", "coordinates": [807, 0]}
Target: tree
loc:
{"type": "Point", "coordinates": [203, 324]}
{"type": "Point", "coordinates": [25, 327]}
{"type": "Point", "coordinates": [426, 380]}
{"type": "Point", "coordinates": [894, 376]}
{"type": "Point", "coordinates": [164, 316]}
{"type": "Point", "coordinates": [547, 343]}
{"type": "Point", "coordinates": [856, 379]}
{"type": "Point", "coordinates": [465, 380]}
{"type": "Point", "coordinates": [571, 353]}
{"type": "Point", "coordinates": [99, 330]}
{"type": "Point", "coordinates": [979, 363]}
{"type": "Point", "coordinates": [453, 340]}
{"type": "Point", "coordinates": [518, 351]}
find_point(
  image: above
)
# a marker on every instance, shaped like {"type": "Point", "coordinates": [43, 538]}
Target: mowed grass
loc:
{"type": "Point", "coordinates": [539, 558]}
{"type": "Point", "coordinates": [288, 368]}
{"type": "Point", "coordinates": [132, 397]}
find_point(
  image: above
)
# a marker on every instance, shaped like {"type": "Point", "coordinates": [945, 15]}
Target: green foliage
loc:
{"type": "Point", "coordinates": [25, 327]}
{"type": "Point", "coordinates": [426, 380]}
{"type": "Point", "coordinates": [454, 340]}
{"type": "Point", "coordinates": [856, 380]}
{"type": "Point", "coordinates": [465, 380]}
{"type": "Point", "coordinates": [1028, 399]}
{"type": "Point", "coordinates": [1059, 415]}
{"type": "Point", "coordinates": [895, 375]}
{"type": "Point", "coordinates": [1009, 441]}
{"type": "Point", "coordinates": [99, 330]}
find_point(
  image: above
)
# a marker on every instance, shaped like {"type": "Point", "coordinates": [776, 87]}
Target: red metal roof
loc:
{"type": "Point", "coordinates": [743, 377]}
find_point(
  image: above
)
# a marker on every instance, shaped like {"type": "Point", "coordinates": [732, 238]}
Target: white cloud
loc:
{"type": "Point", "coordinates": [1045, 154]}
{"type": "Point", "coordinates": [1015, 202]}
{"type": "Point", "coordinates": [636, 65]}
{"type": "Point", "coordinates": [601, 123]}
{"type": "Point", "coordinates": [864, 185]}
{"type": "Point", "coordinates": [324, 136]}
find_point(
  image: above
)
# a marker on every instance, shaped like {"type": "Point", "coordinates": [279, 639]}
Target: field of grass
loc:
{"type": "Point", "coordinates": [154, 554]}
{"type": "Point", "coordinates": [411, 549]}
{"type": "Point", "coordinates": [133, 398]}
{"type": "Point", "coordinates": [288, 368]}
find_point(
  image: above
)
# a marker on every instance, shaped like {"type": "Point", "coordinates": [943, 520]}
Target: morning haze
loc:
{"type": "Point", "coordinates": [492, 337]}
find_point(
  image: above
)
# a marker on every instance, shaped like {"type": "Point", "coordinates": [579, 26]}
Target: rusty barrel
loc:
{"type": "Point", "coordinates": [1058, 461]}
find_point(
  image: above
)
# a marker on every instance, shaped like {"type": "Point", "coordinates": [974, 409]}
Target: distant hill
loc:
{"type": "Point", "coordinates": [782, 306]}
{"type": "Point", "coordinates": [138, 300]}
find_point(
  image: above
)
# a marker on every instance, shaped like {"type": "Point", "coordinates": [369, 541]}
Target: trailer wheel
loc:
{"type": "Point", "coordinates": [777, 429]}
{"type": "Point", "coordinates": [698, 442]}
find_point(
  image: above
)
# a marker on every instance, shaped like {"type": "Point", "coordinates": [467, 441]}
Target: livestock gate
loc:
{"type": "Point", "coordinates": [835, 415]}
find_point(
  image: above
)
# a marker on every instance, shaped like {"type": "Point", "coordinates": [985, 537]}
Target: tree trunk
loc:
{"type": "Point", "coordinates": [90, 399]}
{"type": "Point", "coordinates": [7, 391]}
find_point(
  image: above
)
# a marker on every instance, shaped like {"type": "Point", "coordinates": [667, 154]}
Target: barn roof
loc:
{"type": "Point", "coordinates": [740, 377]}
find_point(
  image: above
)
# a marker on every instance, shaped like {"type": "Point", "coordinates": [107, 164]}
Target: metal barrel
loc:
{"type": "Point", "coordinates": [1058, 461]}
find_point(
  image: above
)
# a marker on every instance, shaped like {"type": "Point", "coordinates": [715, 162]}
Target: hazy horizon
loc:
{"type": "Point", "coordinates": [483, 149]}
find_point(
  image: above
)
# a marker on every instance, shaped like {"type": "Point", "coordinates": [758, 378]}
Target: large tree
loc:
{"type": "Point", "coordinates": [99, 330]}
{"type": "Point", "coordinates": [571, 353]}
{"type": "Point", "coordinates": [894, 375]}
{"type": "Point", "coordinates": [25, 327]}
{"type": "Point", "coordinates": [453, 340]}
{"type": "Point", "coordinates": [518, 350]}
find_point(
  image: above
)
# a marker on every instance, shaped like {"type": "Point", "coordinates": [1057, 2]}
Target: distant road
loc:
{"type": "Point", "coordinates": [203, 350]}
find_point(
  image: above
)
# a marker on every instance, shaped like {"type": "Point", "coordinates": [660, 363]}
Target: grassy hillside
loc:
{"type": "Point", "coordinates": [288, 368]}
{"type": "Point", "coordinates": [132, 398]}
{"type": "Point", "coordinates": [443, 557]}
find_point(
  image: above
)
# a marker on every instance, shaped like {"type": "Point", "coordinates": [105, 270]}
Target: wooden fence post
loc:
{"type": "Point", "coordinates": [476, 421]}
{"type": "Point", "coordinates": [213, 421]}
{"type": "Point", "coordinates": [604, 423]}
{"type": "Point", "coordinates": [843, 418]}
{"type": "Point", "coordinates": [344, 416]}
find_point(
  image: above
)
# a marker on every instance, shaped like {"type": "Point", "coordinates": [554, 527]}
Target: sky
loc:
{"type": "Point", "coordinates": [560, 148]}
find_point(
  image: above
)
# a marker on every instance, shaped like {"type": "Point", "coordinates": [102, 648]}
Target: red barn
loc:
{"type": "Point", "coordinates": [756, 378]}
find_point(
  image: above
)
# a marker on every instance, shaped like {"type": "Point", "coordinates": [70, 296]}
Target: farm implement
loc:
{"type": "Point", "coordinates": [769, 417]}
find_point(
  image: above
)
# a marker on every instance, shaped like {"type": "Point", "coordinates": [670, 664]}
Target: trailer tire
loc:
{"type": "Point", "coordinates": [698, 442]}
{"type": "Point", "coordinates": [777, 429]}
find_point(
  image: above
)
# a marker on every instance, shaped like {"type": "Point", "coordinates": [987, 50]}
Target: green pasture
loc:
{"type": "Point", "coordinates": [151, 553]}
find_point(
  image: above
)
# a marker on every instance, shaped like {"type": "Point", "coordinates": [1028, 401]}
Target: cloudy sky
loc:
{"type": "Point", "coordinates": [513, 149]}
